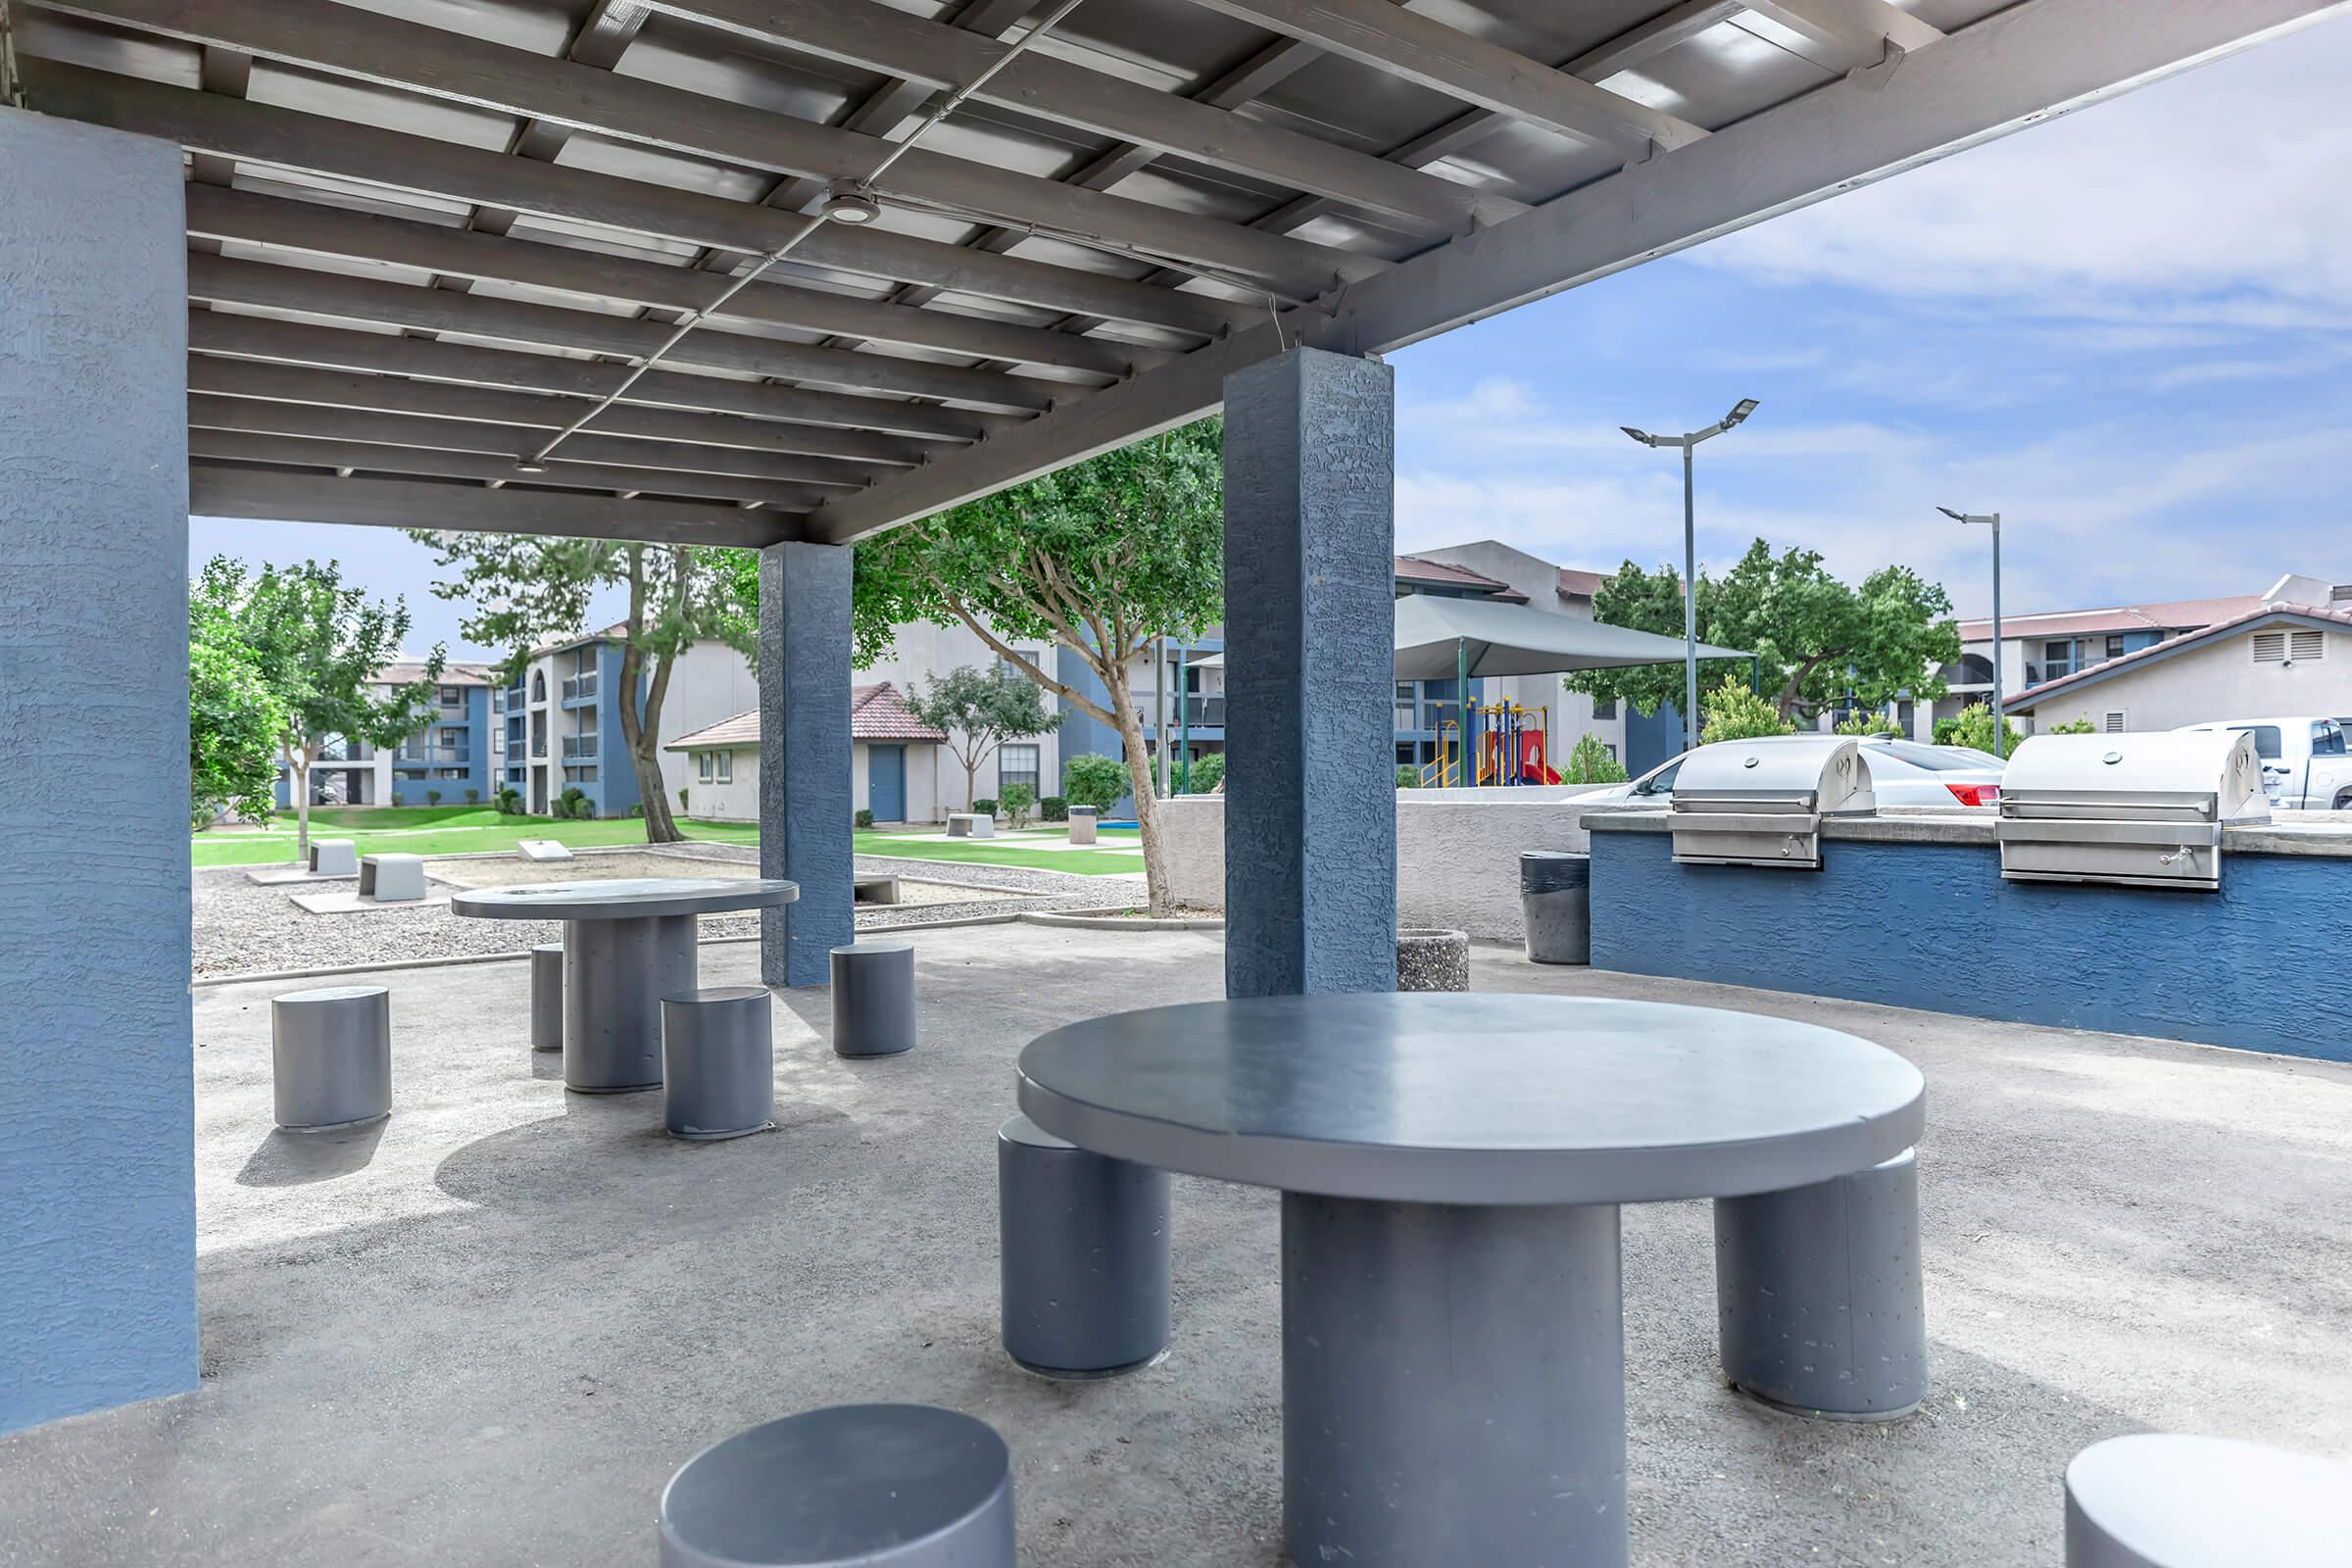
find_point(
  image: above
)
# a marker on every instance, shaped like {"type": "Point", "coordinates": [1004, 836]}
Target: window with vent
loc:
{"type": "Point", "coordinates": [2111, 723]}
{"type": "Point", "coordinates": [2270, 648]}
{"type": "Point", "coordinates": [2301, 645]}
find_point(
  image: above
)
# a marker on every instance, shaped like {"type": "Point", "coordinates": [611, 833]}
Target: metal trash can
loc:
{"type": "Point", "coordinates": [1555, 904]}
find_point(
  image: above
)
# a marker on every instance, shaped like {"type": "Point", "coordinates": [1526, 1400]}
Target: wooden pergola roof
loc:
{"type": "Point", "coordinates": [427, 237]}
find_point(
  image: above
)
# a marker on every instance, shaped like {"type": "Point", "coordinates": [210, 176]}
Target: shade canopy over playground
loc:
{"type": "Point", "coordinates": [1442, 639]}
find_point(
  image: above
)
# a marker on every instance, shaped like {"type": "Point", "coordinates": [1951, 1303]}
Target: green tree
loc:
{"type": "Point", "coordinates": [1092, 779]}
{"type": "Point", "coordinates": [1732, 711]}
{"type": "Point", "coordinates": [1101, 558]}
{"type": "Point", "coordinates": [234, 721]}
{"type": "Point", "coordinates": [981, 709]}
{"type": "Point", "coordinates": [1590, 763]}
{"type": "Point", "coordinates": [1203, 773]}
{"type": "Point", "coordinates": [524, 590]}
{"type": "Point", "coordinates": [318, 646]}
{"type": "Point", "coordinates": [1821, 642]}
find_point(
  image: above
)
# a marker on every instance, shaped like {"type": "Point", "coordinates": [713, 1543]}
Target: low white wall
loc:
{"type": "Point", "coordinates": [1457, 853]}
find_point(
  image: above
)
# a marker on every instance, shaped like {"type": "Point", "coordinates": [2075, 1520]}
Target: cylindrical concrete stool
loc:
{"type": "Point", "coordinates": [1084, 1248]}
{"type": "Point", "coordinates": [330, 1057]}
{"type": "Point", "coordinates": [856, 1486]}
{"type": "Point", "coordinates": [873, 998]}
{"type": "Point", "coordinates": [2163, 1500]}
{"type": "Point", "coordinates": [1083, 820]}
{"type": "Point", "coordinates": [1431, 960]}
{"type": "Point", "coordinates": [1818, 1295]}
{"type": "Point", "coordinates": [1555, 904]}
{"type": "Point", "coordinates": [718, 1066]}
{"type": "Point", "coordinates": [547, 996]}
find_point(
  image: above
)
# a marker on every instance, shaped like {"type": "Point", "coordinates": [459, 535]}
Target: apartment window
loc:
{"type": "Point", "coordinates": [448, 772]}
{"type": "Point", "coordinates": [2115, 645]}
{"type": "Point", "coordinates": [726, 767]}
{"type": "Point", "coordinates": [452, 737]}
{"type": "Point", "coordinates": [703, 767]}
{"type": "Point", "coordinates": [1606, 707]}
{"type": "Point", "coordinates": [538, 685]}
{"type": "Point", "coordinates": [1016, 765]}
{"type": "Point", "coordinates": [498, 743]}
{"type": "Point", "coordinates": [452, 697]}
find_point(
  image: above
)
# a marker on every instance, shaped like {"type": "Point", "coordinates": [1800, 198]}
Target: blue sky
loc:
{"type": "Point", "coordinates": [2128, 330]}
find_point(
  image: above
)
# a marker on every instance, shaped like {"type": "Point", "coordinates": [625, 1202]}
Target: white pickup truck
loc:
{"type": "Point", "coordinates": [2305, 764]}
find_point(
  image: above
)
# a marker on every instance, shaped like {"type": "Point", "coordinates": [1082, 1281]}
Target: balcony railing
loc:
{"type": "Point", "coordinates": [578, 746]}
{"type": "Point", "coordinates": [579, 687]}
{"type": "Point", "coordinates": [346, 752]}
{"type": "Point", "coordinates": [447, 755]}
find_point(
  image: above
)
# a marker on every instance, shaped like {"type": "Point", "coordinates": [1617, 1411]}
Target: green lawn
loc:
{"type": "Point", "coordinates": [467, 829]}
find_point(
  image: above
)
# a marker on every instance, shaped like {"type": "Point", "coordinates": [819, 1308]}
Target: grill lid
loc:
{"type": "Point", "coordinates": [2176, 777]}
{"type": "Point", "coordinates": [1824, 774]}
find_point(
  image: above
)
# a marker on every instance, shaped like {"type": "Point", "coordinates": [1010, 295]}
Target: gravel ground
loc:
{"type": "Point", "coordinates": [242, 929]}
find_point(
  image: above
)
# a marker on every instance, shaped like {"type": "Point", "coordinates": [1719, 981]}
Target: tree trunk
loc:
{"type": "Point", "coordinates": [1146, 803]}
{"type": "Point", "coordinates": [642, 732]}
{"type": "Point", "coordinates": [298, 778]}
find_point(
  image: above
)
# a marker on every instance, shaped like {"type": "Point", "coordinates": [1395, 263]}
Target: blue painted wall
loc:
{"type": "Point", "coordinates": [1652, 740]}
{"type": "Point", "coordinates": [2259, 965]}
{"type": "Point", "coordinates": [97, 1109]}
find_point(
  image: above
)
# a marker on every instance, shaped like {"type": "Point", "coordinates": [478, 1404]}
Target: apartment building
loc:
{"type": "Point", "coordinates": [455, 751]}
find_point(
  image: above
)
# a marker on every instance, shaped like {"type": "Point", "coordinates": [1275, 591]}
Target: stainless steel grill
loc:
{"type": "Point", "coordinates": [1761, 802]}
{"type": "Point", "coordinates": [2137, 811]}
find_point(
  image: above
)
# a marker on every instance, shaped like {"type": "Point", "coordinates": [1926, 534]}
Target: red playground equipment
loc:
{"type": "Point", "coordinates": [1510, 748]}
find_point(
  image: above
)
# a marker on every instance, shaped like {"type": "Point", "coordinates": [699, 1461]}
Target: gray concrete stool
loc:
{"type": "Point", "coordinates": [330, 1057]}
{"type": "Point", "coordinates": [334, 857]}
{"type": "Point", "coordinates": [719, 1063]}
{"type": "Point", "coordinates": [1082, 822]}
{"type": "Point", "coordinates": [2161, 1501]}
{"type": "Point", "coordinates": [1431, 959]}
{"type": "Point", "coordinates": [1085, 1250]}
{"type": "Point", "coordinates": [392, 879]}
{"type": "Point", "coordinates": [1818, 1295]}
{"type": "Point", "coordinates": [856, 1486]}
{"type": "Point", "coordinates": [1555, 905]}
{"type": "Point", "coordinates": [547, 996]}
{"type": "Point", "coordinates": [873, 998]}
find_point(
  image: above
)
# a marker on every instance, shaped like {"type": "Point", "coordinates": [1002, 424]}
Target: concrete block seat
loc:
{"type": "Point", "coordinates": [2166, 1501]}
{"type": "Point", "coordinates": [1084, 1244]}
{"type": "Point", "coordinates": [971, 825]}
{"type": "Point", "coordinates": [334, 857]}
{"type": "Point", "coordinates": [873, 998]}
{"type": "Point", "coordinates": [392, 879]}
{"type": "Point", "coordinates": [330, 1057]}
{"type": "Point", "coordinates": [718, 1064]}
{"type": "Point", "coordinates": [547, 996]}
{"type": "Point", "coordinates": [852, 1485]}
{"type": "Point", "coordinates": [1818, 1294]}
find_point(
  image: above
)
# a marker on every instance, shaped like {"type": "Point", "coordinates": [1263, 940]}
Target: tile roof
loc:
{"type": "Point", "coordinates": [2177, 614]}
{"type": "Point", "coordinates": [2123, 664]}
{"type": "Point", "coordinates": [877, 712]}
{"type": "Point", "coordinates": [1575, 584]}
{"type": "Point", "coordinates": [401, 672]}
{"type": "Point", "coordinates": [1441, 574]}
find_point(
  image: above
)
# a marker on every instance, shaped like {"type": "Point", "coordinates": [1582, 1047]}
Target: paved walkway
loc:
{"type": "Point", "coordinates": [486, 1332]}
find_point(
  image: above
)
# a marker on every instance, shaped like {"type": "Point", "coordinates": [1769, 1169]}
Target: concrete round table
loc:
{"type": "Point", "coordinates": [1451, 1166]}
{"type": "Point", "coordinates": [627, 942]}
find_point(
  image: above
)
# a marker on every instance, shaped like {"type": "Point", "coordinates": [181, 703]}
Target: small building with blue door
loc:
{"type": "Point", "coordinates": [895, 762]}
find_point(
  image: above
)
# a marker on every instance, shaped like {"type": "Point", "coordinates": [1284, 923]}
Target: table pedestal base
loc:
{"type": "Point", "coordinates": [1453, 1385]}
{"type": "Point", "coordinates": [615, 973]}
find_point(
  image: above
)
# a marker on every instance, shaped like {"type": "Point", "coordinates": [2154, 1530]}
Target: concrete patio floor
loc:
{"type": "Point", "coordinates": [487, 1331]}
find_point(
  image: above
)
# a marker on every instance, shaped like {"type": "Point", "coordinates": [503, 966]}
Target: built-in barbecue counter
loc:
{"type": "Point", "coordinates": [2152, 894]}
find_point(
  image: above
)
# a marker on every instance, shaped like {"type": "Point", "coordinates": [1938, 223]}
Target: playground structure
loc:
{"type": "Point", "coordinates": [1508, 741]}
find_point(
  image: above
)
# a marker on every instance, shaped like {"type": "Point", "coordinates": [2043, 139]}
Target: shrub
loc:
{"type": "Point", "coordinates": [1590, 763]}
{"type": "Point", "coordinates": [986, 808]}
{"type": "Point", "coordinates": [474, 797]}
{"type": "Point", "coordinates": [398, 799]}
{"type": "Point", "coordinates": [864, 818]}
{"type": "Point", "coordinates": [1052, 808]}
{"type": "Point", "coordinates": [1092, 779]}
{"type": "Point", "coordinates": [1206, 773]}
{"type": "Point", "coordinates": [1973, 728]}
{"type": "Point", "coordinates": [682, 797]}
{"type": "Point", "coordinates": [1862, 722]}
{"type": "Point", "coordinates": [574, 802]}
{"type": "Point", "coordinates": [432, 796]}
{"type": "Point", "coordinates": [1407, 778]}
{"type": "Point", "coordinates": [1733, 712]}
{"type": "Point", "coordinates": [638, 809]}
{"type": "Point", "coordinates": [508, 801]}
{"type": "Point", "coordinates": [2079, 726]}
{"type": "Point", "coordinates": [1018, 798]}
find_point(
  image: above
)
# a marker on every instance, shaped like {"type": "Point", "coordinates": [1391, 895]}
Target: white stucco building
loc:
{"type": "Point", "coordinates": [2274, 659]}
{"type": "Point", "coordinates": [897, 762]}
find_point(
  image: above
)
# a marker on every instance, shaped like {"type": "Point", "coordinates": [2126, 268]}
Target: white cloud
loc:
{"type": "Point", "coordinates": [2219, 197]}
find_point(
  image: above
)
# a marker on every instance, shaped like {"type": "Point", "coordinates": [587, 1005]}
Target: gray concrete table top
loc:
{"type": "Point", "coordinates": [624, 899]}
{"type": "Point", "coordinates": [2184, 1501]}
{"type": "Point", "coordinates": [1476, 1098]}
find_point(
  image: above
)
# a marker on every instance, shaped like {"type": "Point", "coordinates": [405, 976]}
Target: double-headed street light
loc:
{"type": "Point", "coordinates": [1739, 412]}
{"type": "Point", "coordinates": [1999, 719]}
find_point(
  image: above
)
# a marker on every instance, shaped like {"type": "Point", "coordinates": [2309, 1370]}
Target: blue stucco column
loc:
{"type": "Point", "coordinates": [805, 757]}
{"type": "Point", "coordinates": [1310, 780]}
{"type": "Point", "coordinates": [97, 1122]}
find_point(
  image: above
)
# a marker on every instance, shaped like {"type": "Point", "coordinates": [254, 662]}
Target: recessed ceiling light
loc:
{"type": "Point", "coordinates": [849, 202]}
{"type": "Point", "coordinates": [529, 466]}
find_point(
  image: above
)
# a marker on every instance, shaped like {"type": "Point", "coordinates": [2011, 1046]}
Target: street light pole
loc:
{"type": "Point", "coordinates": [2000, 719]}
{"type": "Point", "coordinates": [1688, 442]}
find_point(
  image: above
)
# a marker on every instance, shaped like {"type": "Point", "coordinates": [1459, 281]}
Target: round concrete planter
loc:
{"type": "Point", "coordinates": [1431, 960]}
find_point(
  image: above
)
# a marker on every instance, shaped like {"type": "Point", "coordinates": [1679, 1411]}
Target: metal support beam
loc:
{"type": "Point", "coordinates": [270, 497]}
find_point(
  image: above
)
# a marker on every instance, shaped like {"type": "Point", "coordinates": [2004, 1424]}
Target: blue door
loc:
{"type": "Point", "coordinates": [886, 782]}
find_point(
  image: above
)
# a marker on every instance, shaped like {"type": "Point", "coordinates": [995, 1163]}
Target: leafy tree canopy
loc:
{"type": "Point", "coordinates": [236, 721]}
{"type": "Point", "coordinates": [1820, 641]}
{"type": "Point", "coordinates": [1092, 779]}
{"type": "Point", "coordinates": [981, 709]}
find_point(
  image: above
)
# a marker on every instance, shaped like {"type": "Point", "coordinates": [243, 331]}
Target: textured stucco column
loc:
{"type": "Point", "coordinates": [1311, 796]}
{"type": "Point", "coordinates": [805, 757]}
{"type": "Point", "coordinates": [97, 1140]}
